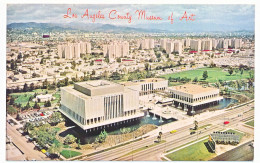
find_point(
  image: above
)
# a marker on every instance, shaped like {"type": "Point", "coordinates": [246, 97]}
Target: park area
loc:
{"type": "Point", "coordinates": [214, 74]}
{"type": "Point", "coordinates": [23, 97]}
{"type": "Point", "coordinates": [194, 152]}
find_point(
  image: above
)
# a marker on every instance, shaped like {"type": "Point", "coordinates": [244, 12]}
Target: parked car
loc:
{"type": "Point", "coordinates": [43, 151]}
{"type": "Point", "coordinates": [47, 154]}
{"type": "Point", "coordinates": [193, 132]}
{"type": "Point", "coordinates": [21, 131]}
{"type": "Point", "coordinates": [27, 136]}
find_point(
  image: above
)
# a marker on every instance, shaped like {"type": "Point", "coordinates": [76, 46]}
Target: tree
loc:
{"type": "Point", "coordinates": [159, 137]}
{"type": "Point", "coordinates": [55, 148]}
{"type": "Point", "coordinates": [44, 84]}
{"type": "Point", "coordinates": [55, 118]}
{"type": "Point", "coordinates": [101, 137]}
{"type": "Point", "coordinates": [27, 106]}
{"type": "Point", "coordinates": [66, 82]}
{"type": "Point", "coordinates": [45, 135]}
{"type": "Point", "coordinates": [205, 75]}
{"type": "Point", "coordinates": [78, 143]}
{"type": "Point", "coordinates": [118, 60]}
{"type": "Point", "coordinates": [42, 61]}
{"type": "Point", "coordinates": [34, 75]}
{"type": "Point", "coordinates": [28, 127]}
{"type": "Point", "coordinates": [93, 72]}
{"type": "Point", "coordinates": [196, 125]}
{"type": "Point", "coordinates": [36, 105]}
{"type": "Point", "coordinates": [146, 65]}
{"type": "Point", "coordinates": [69, 139]}
{"type": "Point", "coordinates": [230, 70]}
{"type": "Point", "coordinates": [241, 72]}
{"type": "Point", "coordinates": [25, 87]}
{"type": "Point", "coordinates": [47, 103]}
{"type": "Point", "coordinates": [195, 79]}
{"type": "Point", "coordinates": [130, 78]}
{"type": "Point", "coordinates": [11, 102]}
{"type": "Point", "coordinates": [73, 63]}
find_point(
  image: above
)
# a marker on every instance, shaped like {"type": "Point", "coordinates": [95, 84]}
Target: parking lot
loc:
{"type": "Point", "coordinates": [37, 118]}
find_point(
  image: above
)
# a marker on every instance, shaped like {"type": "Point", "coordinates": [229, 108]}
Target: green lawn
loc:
{"type": "Point", "coordinates": [237, 133]}
{"type": "Point", "coordinates": [23, 97]}
{"type": "Point", "coordinates": [251, 123]}
{"type": "Point", "coordinates": [194, 152]}
{"type": "Point", "coordinates": [214, 74]}
{"type": "Point", "coordinates": [70, 153]}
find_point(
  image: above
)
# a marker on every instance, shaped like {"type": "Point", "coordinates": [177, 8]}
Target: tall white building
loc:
{"type": "Point", "coordinates": [236, 43]}
{"type": "Point", "coordinates": [147, 44]}
{"type": "Point", "coordinates": [88, 47]}
{"type": "Point", "coordinates": [116, 50]}
{"type": "Point", "coordinates": [206, 44]}
{"type": "Point", "coordinates": [163, 43]}
{"type": "Point", "coordinates": [73, 50]}
{"type": "Point", "coordinates": [178, 47]}
{"type": "Point", "coordinates": [169, 47]}
{"type": "Point", "coordinates": [94, 105]}
{"type": "Point", "coordinates": [195, 45]}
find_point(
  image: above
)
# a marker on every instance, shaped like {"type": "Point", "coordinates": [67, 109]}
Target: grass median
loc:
{"type": "Point", "coordinates": [194, 152]}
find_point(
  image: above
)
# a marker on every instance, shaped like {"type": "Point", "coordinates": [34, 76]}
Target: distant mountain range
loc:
{"type": "Point", "coordinates": [144, 28]}
{"type": "Point", "coordinates": [95, 27]}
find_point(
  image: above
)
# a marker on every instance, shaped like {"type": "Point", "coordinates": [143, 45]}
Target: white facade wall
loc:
{"type": "Point", "coordinates": [169, 47]}
{"type": "Point", "coordinates": [195, 45]}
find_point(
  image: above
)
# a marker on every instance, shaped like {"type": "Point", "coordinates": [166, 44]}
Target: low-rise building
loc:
{"type": "Point", "coordinates": [147, 86]}
{"type": "Point", "coordinates": [193, 96]}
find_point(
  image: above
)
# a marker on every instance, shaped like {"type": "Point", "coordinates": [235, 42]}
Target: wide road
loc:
{"type": "Point", "coordinates": [151, 153]}
{"type": "Point", "coordinates": [244, 152]}
{"type": "Point", "coordinates": [182, 136]}
{"type": "Point", "coordinates": [26, 147]}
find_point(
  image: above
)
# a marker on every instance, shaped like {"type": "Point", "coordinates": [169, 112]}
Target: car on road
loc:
{"type": "Point", "coordinates": [173, 131]}
{"type": "Point", "coordinates": [226, 122]}
{"type": "Point", "coordinates": [193, 132]}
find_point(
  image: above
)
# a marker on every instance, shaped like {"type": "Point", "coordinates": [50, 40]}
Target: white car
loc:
{"type": "Point", "coordinates": [27, 136]}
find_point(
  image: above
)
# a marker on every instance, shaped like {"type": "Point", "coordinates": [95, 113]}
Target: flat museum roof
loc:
{"type": "Point", "coordinates": [193, 88]}
{"type": "Point", "coordinates": [136, 82]}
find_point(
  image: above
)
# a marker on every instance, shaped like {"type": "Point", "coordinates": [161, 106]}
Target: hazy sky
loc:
{"type": "Point", "coordinates": [228, 16]}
